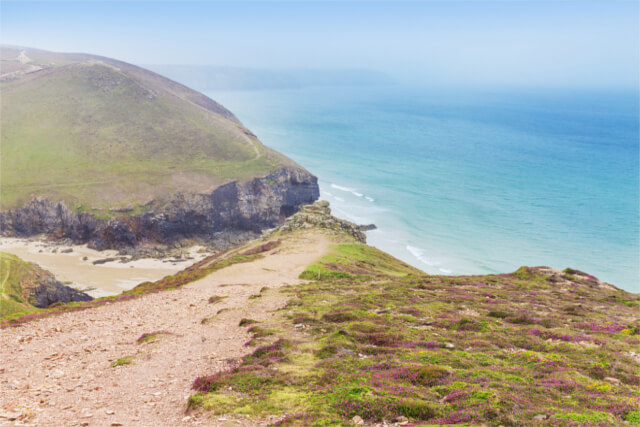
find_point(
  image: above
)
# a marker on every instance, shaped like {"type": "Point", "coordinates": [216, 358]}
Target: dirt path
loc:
{"type": "Point", "coordinates": [57, 372]}
{"type": "Point", "coordinates": [7, 265]}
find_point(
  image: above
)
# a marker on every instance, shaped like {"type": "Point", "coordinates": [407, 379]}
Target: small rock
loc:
{"type": "Point", "coordinates": [11, 416]}
{"type": "Point", "coordinates": [357, 420]}
{"type": "Point", "coordinates": [449, 345]}
{"type": "Point", "coordinates": [612, 380]}
{"type": "Point", "coordinates": [540, 417]}
{"type": "Point", "coordinates": [187, 418]}
{"type": "Point", "coordinates": [109, 412]}
{"type": "Point", "coordinates": [403, 421]}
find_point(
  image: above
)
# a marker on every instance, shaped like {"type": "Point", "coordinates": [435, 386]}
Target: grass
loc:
{"type": "Point", "coordinates": [350, 260]}
{"type": "Point", "coordinates": [151, 336]}
{"type": "Point", "coordinates": [106, 135]}
{"type": "Point", "coordinates": [16, 276]}
{"type": "Point", "coordinates": [122, 361]}
{"type": "Point", "coordinates": [380, 340]}
{"type": "Point", "coordinates": [383, 341]}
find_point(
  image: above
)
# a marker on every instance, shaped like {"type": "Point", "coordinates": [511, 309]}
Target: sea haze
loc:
{"type": "Point", "coordinates": [469, 181]}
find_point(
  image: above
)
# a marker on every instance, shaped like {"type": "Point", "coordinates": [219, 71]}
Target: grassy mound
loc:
{"type": "Point", "coordinates": [102, 134]}
{"type": "Point", "coordinates": [15, 274]}
{"type": "Point", "coordinates": [374, 338]}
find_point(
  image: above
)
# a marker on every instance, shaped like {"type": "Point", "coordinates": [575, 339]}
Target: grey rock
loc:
{"type": "Point", "coordinates": [232, 212]}
{"type": "Point", "coordinates": [318, 215]}
{"type": "Point", "coordinates": [367, 227]}
{"type": "Point", "coordinates": [50, 291]}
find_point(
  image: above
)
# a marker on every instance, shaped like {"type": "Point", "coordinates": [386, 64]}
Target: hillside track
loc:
{"type": "Point", "coordinates": [58, 371]}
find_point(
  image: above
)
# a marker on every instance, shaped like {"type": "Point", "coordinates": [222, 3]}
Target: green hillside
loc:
{"type": "Point", "coordinates": [366, 338]}
{"type": "Point", "coordinates": [373, 341]}
{"type": "Point", "coordinates": [14, 273]}
{"type": "Point", "coordinates": [102, 133]}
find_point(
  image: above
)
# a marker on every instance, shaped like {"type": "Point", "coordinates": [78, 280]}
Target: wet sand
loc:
{"type": "Point", "coordinates": [99, 280]}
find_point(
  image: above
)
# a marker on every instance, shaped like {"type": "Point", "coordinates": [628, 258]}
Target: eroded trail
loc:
{"type": "Point", "coordinates": [57, 371]}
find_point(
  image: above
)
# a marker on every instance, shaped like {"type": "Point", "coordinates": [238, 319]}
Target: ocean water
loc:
{"type": "Point", "coordinates": [470, 182]}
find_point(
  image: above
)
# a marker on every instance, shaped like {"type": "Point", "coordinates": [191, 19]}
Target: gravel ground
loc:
{"type": "Point", "coordinates": [57, 371]}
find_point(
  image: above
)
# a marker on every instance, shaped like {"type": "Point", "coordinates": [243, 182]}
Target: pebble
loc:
{"type": "Point", "coordinates": [357, 420]}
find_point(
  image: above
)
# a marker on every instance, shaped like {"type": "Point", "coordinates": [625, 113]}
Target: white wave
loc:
{"type": "Point", "coordinates": [350, 217]}
{"type": "Point", "coordinates": [327, 193]}
{"type": "Point", "coordinates": [416, 252]}
{"type": "Point", "coordinates": [341, 188]}
{"type": "Point", "coordinates": [445, 271]}
{"type": "Point", "coordinates": [369, 199]}
{"type": "Point", "coordinates": [355, 193]}
{"type": "Point", "coordinates": [340, 199]}
{"type": "Point", "coordinates": [419, 254]}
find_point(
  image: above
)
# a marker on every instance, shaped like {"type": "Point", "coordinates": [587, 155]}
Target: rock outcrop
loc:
{"type": "Point", "coordinates": [230, 210]}
{"type": "Point", "coordinates": [50, 291]}
{"type": "Point", "coordinates": [318, 215]}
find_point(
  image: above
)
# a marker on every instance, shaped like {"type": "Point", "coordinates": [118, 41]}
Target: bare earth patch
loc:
{"type": "Point", "coordinates": [61, 371]}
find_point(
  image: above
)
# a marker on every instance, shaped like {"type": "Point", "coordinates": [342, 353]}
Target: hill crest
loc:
{"type": "Point", "coordinates": [104, 138]}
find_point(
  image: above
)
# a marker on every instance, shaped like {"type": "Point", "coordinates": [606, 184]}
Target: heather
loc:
{"type": "Point", "coordinates": [371, 337]}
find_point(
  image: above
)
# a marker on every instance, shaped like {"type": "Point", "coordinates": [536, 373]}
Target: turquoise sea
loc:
{"type": "Point", "coordinates": [470, 181]}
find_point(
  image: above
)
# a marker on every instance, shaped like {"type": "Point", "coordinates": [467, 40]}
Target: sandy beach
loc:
{"type": "Point", "coordinates": [75, 268]}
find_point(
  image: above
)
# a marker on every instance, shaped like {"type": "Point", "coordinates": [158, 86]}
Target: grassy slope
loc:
{"type": "Point", "coordinates": [108, 134]}
{"type": "Point", "coordinates": [377, 339]}
{"type": "Point", "coordinates": [13, 272]}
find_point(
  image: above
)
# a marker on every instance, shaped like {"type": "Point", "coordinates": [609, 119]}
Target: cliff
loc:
{"type": "Point", "coordinates": [234, 209]}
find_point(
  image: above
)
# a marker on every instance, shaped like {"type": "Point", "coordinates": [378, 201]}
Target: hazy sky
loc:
{"type": "Point", "coordinates": [592, 43]}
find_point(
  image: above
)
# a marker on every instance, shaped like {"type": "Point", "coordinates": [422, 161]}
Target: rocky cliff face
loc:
{"type": "Point", "coordinates": [318, 215]}
{"type": "Point", "coordinates": [50, 291]}
{"type": "Point", "coordinates": [230, 209]}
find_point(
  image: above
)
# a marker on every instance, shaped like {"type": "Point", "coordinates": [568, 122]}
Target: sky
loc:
{"type": "Point", "coordinates": [570, 43]}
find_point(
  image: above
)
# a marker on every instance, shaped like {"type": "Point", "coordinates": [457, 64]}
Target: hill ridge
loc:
{"type": "Point", "coordinates": [101, 151]}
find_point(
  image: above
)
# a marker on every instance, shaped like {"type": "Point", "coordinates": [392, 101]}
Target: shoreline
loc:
{"type": "Point", "coordinates": [74, 265]}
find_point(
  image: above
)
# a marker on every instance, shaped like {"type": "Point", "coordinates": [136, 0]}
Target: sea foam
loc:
{"type": "Point", "coordinates": [419, 254]}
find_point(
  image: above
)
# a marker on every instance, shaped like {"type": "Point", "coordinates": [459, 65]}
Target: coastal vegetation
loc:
{"type": "Point", "coordinates": [14, 273]}
{"type": "Point", "coordinates": [370, 339]}
{"type": "Point", "coordinates": [365, 338]}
